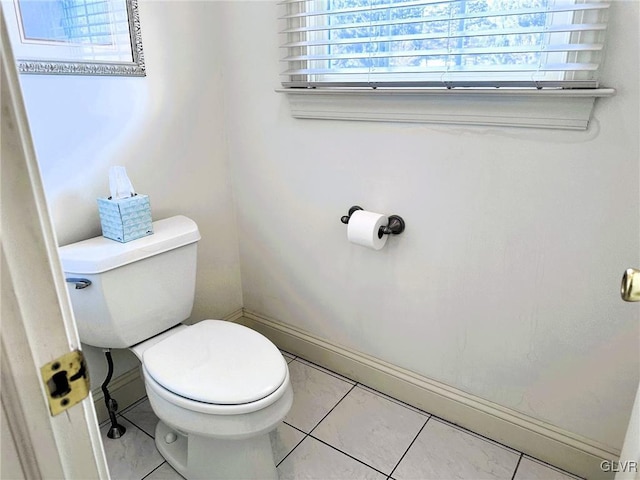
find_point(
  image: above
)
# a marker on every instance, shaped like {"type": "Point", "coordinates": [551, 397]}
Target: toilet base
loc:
{"type": "Point", "coordinates": [214, 458]}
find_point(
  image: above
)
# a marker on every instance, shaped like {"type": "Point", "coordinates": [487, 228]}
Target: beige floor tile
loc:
{"type": "Point", "coordinates": [132, 456]}
{"type": "Point", "coordinates": [530, 469]}
{"type": "Point", "coordinates": [143, 417]}
{"type": "Point", "coordinates": [442, 452]}
{"type": "Point", "coordinates": [371, 428]}
{"type": "Point", "coordinates": [164, 472]}
{"type": "Point", "coordinates": [283, 440]}
{"type": "Point", "coordinates": [315, 393]}
{"type": "Point", "coordinates": [314, 460]}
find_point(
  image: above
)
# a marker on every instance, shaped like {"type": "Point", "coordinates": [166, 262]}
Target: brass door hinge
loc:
{"type": "Point", "coordinates": [66, 381]}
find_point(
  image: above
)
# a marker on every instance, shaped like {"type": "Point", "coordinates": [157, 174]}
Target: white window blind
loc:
{"type": "Point", "coordinates": [443, 43]}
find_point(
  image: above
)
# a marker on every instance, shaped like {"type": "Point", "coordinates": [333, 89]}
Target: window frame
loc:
{"type": "Point", "coordinates": [503, 107]}
{"type": "Point", "coordinates": [547, 109]}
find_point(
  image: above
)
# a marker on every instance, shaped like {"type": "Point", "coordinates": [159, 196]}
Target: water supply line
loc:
{"type": "Point", "coordinates": [116, 430]}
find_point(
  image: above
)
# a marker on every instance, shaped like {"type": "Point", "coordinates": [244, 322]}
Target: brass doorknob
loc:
{"type": "Point", "coordinates": [630, 288]}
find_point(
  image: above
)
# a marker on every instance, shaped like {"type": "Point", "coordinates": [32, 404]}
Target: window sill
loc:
{"type": "Point", "coordinates": [555, 109]}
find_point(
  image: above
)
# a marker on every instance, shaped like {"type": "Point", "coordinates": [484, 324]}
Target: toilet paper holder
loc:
{"type": "Point", "coordinates": [395, 225]}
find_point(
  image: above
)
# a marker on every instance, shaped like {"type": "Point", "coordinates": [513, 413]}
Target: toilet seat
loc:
{"type": "Point", "coordinates": [212, 408]}
{"type": "Point", "coordinates": [214, 362]}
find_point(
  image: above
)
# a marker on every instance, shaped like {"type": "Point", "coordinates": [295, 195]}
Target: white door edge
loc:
{"type": "Point", "coordinates": [37, 320]}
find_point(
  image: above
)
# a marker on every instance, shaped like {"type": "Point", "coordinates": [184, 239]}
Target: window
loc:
{"type": "Point", "coordinates": [443, 43]}
{"type": "Point", "coordinates": [80, 21]}
{"type": "Point", "coordinates": [75, 37]}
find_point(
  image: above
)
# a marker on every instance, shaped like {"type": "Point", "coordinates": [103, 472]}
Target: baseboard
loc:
{"type": "Point", "coordinates": [538, 439]}
{"type": "Point", "coordinates": [234, 316]}
{"type": "Point", "coordinates": [129, 387]}
{"type": "Point", "coordinates": [126, 389]}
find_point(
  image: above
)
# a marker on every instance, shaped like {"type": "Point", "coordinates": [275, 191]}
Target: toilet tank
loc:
{"type": "Point", "coordinates": [138, 289]}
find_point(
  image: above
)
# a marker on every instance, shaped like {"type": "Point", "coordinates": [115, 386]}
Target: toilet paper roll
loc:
{"type": "Point", "coordinates": [363, 229]}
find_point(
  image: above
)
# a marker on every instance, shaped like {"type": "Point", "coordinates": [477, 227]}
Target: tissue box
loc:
{"type": "Point", "coordinates": [125, 219]}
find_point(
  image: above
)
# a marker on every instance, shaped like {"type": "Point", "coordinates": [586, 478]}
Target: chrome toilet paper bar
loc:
{"type": "Point", "coordinates": [395, 226]}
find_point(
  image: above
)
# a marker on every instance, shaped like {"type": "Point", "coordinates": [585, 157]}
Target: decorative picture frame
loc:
{"type": "Point", "coordinates": [76, 37]}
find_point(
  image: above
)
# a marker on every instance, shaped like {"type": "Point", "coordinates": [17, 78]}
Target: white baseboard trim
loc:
{"type": "Point", "coordinates": [128, 388]}
{"type": "Point", "coordinates": [234, 316]}
{"type": "Point", "coordinates": [538, 439]}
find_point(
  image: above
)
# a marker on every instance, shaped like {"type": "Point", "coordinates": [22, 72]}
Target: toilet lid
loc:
{"type": "Point", "coordinates": [217, 362]}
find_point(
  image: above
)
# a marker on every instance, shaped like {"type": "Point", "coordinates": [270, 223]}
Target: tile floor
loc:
{"type": "Point", "coordinates": [338, 429]}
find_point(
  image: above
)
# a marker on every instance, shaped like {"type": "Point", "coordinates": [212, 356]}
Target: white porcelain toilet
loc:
{"type": "Point", "coordinates": [217, 387]}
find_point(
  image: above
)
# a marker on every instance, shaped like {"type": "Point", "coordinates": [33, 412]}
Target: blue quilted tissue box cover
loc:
{"type": "Point", "coordinates": [125, 219]}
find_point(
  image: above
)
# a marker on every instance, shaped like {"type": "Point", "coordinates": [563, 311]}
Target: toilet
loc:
{"type": "Point", "coordinates": [217, 387]}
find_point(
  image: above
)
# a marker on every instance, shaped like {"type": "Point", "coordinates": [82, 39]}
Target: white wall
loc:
{"type": "Point", "coordinates": [167, 129]}
{"type": "Point", "coordinates": [506, 281]}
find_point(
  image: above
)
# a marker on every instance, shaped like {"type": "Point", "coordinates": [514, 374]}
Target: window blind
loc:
{"type": "Point", "coordinates": [443, 43]}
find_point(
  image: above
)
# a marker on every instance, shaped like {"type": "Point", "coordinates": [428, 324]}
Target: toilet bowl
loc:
{"type": "Point", "coordinates": [218, 388]}
{"type": "Point", "coordinates": [224, 431]}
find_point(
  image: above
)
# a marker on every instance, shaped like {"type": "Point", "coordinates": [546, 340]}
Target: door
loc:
{"type": "Point", "coordinates": [628, 468]}
{"type": "Point", "coordinates": [37, 321]}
